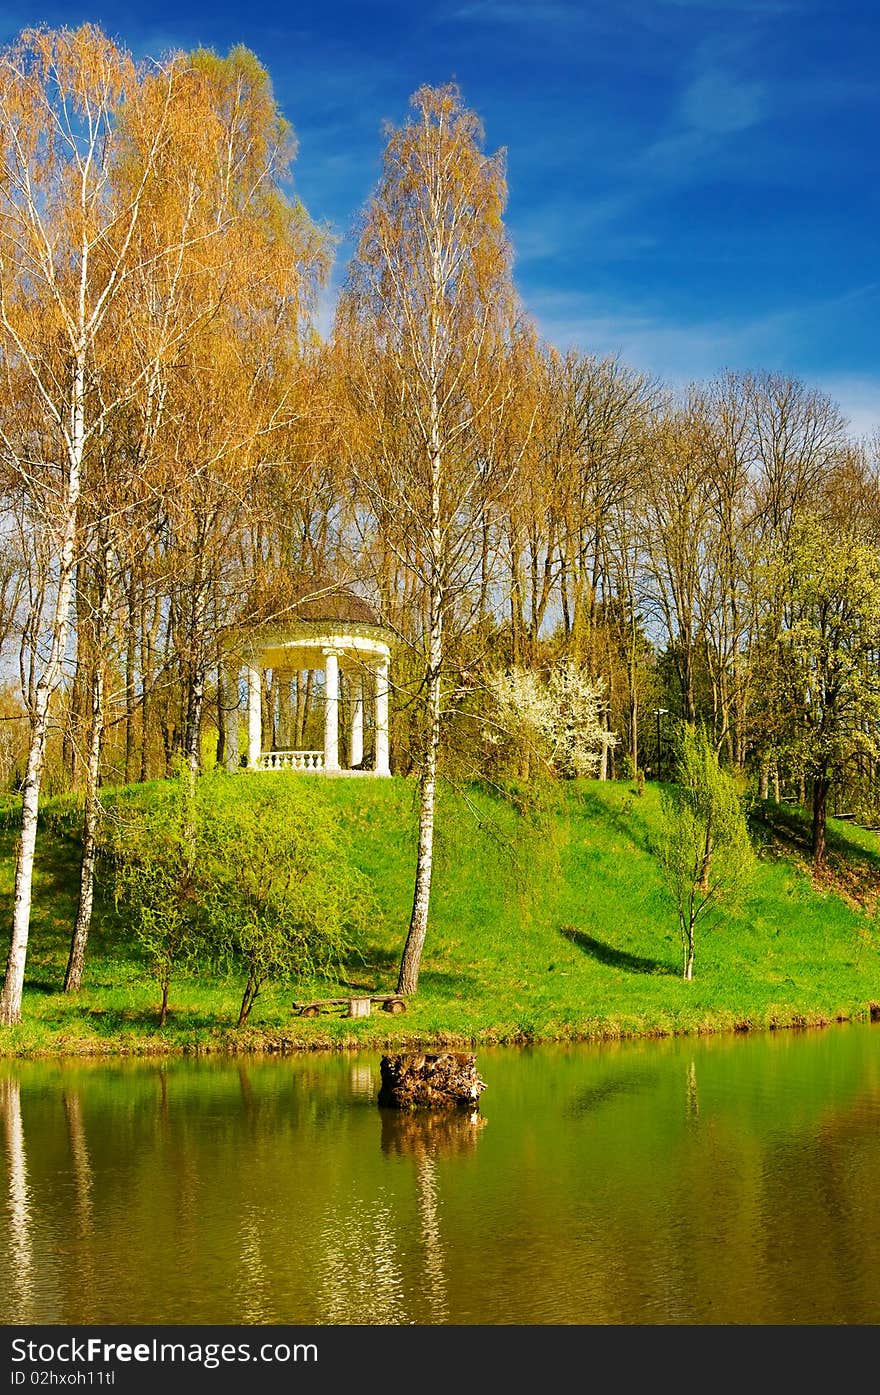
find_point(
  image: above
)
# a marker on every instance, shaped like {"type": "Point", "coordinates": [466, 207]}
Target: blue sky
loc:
{"type": "Point", "coordinates": [693, 184]}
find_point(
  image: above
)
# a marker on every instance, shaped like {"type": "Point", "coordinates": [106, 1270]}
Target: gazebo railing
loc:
{"type": "Point", "coordinates": [291, 760]}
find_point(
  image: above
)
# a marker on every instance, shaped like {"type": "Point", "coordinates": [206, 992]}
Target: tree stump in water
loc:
{"type": "Point", "coordinates": [430, 1080]}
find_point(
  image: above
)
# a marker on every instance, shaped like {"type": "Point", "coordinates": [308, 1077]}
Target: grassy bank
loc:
{"type": "Point", "coordinates": [550, 926]}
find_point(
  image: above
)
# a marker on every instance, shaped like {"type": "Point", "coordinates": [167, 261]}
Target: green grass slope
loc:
{"type": "Point", "coordinates": [549, 925]}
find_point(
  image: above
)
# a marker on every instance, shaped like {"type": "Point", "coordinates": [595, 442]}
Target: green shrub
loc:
{"type": "Point", "coordinates": [282, 897]}
{"type": "Point", "coordinates": [238, 875]}
{"type": "Point", "coordinates": [153, 846]}
{"type": "Point", "coordinates": [705, 850]}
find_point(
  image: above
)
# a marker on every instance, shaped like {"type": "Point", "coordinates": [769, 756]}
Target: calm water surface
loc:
{"type": "Point", "coordinates": [723, 1180]}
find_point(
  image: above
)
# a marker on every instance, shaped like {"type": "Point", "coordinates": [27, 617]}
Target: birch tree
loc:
{"type": "Point", "coordinates": [86, 138]}
{"type": "Point", "coordinates": [234, 296]}
{"type": "Point", "coordinates": [427, 308]}
{"type": "Point", "coordinates": [64, 248]}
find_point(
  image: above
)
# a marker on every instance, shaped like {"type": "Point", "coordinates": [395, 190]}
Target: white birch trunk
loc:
{"type": "Point", "coordinates": [13, 985]}
{"type": "Point", "coordinates": [408, 977]}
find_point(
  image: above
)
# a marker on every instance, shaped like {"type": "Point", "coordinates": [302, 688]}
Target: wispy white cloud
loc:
{"type": "Point", "coordinates": [707, 119]}
{"type": "Point", "coordinates": [714, 107]}
{"type": "Point", "coordinates": [678, 352]}
{"type": "Point", "coordinates": [720, 104]}
{"type": "Point", "coordinates": [858, 396]}
{"type": "Point", "coordinates": [520, 12]}
{"type": "Point", "coordinates": [550, 228]}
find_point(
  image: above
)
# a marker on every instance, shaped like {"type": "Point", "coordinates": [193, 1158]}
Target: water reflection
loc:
{"type": "Point", "coordinates": [20, 1249]}
{"type": "Point", "coordinates": [363, 1080]}
{"type": "Point", "coordinates": [616, 1084]}
{"type": "Point", "coordinates": [430, 1133]}
{"type": "Point", "coordinates": [423, 1136]}
{"type": "Point", "coordinates": [691, 1094]}
{"type": "Point", "coordinates": [83, 1193]}
{"type": "Point", "coordinates": [681, 1181]}
{"type": "Point", "coordinates": [362, 1277]}
{"type": "Point", "coordinates": [255, 1279]}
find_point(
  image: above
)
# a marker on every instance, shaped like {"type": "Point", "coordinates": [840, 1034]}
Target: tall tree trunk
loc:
{"type": "Point", "coordinates": [149, 641]}
{"type": "Point", "coordinates": [91, 814]}
{"type": "Point", "coordinates": [130, 659]}
{"type": "Point", "coordinates": [633, 726]}
{"type": "Point", "coordinates": [517, 622]}
{"type": "Point", "coordinates": [91, 818]}
{"type": "Point", "coordinates": [195, 697]}
{"type": "Point", "coordinates": [408, 977]}
{"type": "Point", "coordinates": [13, 984]}
{"type": "Point", "coordinates": [195, 705]}
{"type": "Point", "coordinates": [483, 608]}
{"type": "Point", "coordinates": [223, 700]}
{"type": "Point", "coordinates": [689, 955]}
{"type": "Point", "coordinates": [821, 784]}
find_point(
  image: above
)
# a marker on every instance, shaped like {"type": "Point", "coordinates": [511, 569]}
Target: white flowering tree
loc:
{"type": "Point", "coordinates": [557, 718]}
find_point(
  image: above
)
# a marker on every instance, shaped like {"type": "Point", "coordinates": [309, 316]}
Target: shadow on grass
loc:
{"type": "Point", "coordinates": [378, 957]}
{"type": "Point", "coordinates": [638, 835]}
{"type": "Point", "coordinates": [616, 958]}
{"type": "Point", "coordinates": [785, 831]}
{"type": "Point", "coordinates": [457, 985]}
{"type": "Point", "coordinates": [372, 967]}
{"type": "Point", "coordinates": [111, 1022]}
{"type": "Point", "coordinates": [379, 970]}
{"type": "Point", "coordinates": [43, 986]}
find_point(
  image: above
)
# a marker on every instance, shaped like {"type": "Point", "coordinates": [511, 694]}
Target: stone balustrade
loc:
{"type": "Point", "coordinates": [291, 760]}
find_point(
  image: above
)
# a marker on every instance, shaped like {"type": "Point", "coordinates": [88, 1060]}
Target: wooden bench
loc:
{"type": "Point", "coordinates": [355, 1006]}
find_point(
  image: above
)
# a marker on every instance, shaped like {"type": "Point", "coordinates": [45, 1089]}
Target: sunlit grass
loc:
{"type": "Point", "coordinates": [551, 925]}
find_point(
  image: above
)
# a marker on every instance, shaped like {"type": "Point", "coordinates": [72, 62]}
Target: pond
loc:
{"type": "Point", "coordinates": [681, 1181]}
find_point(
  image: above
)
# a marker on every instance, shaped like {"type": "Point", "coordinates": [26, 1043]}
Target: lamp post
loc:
{"type": "Point", "coordinates": [658, 713]}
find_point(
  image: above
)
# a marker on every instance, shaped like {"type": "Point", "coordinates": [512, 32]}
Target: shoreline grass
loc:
{"type": "Point", "coordinates": [550, 925]}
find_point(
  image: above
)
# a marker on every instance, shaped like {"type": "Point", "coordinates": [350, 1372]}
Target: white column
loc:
{"type": "Point", "coordinates": [331, 709]}
{"type": "Point", "coordinates": [230, 718]}
{"type": "Point", "coordinates": [283, 677]}
{"type": "Point", "coordinates": [255, 716]}
{"type": "Point", "coordinates": [382, 766]}
{"type": "Point", "coordinates": [357, 719]}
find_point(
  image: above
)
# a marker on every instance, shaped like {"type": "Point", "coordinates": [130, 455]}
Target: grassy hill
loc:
{"type": "Point", "coordinates": [552, 924]}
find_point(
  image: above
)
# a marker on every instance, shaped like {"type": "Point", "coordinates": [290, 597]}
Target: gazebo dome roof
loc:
{"type": "Point", "coordinates": [327, 600]}
{"type": "Point", "coordinates": [286, 598]}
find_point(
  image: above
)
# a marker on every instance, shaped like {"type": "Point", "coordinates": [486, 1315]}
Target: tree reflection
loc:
{"type": "Point", "coordinates": [426, 1135]}
{"type": "Point", "coordinates": [83, 1185]}
{"type": "Point", "coordinates": [20, 1251]}
{"type": "Point", "coordinates": [430, 1133]}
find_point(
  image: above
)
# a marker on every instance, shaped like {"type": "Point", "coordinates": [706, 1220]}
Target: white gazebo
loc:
{"type": "Point", "coordinates": [330, 631]}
